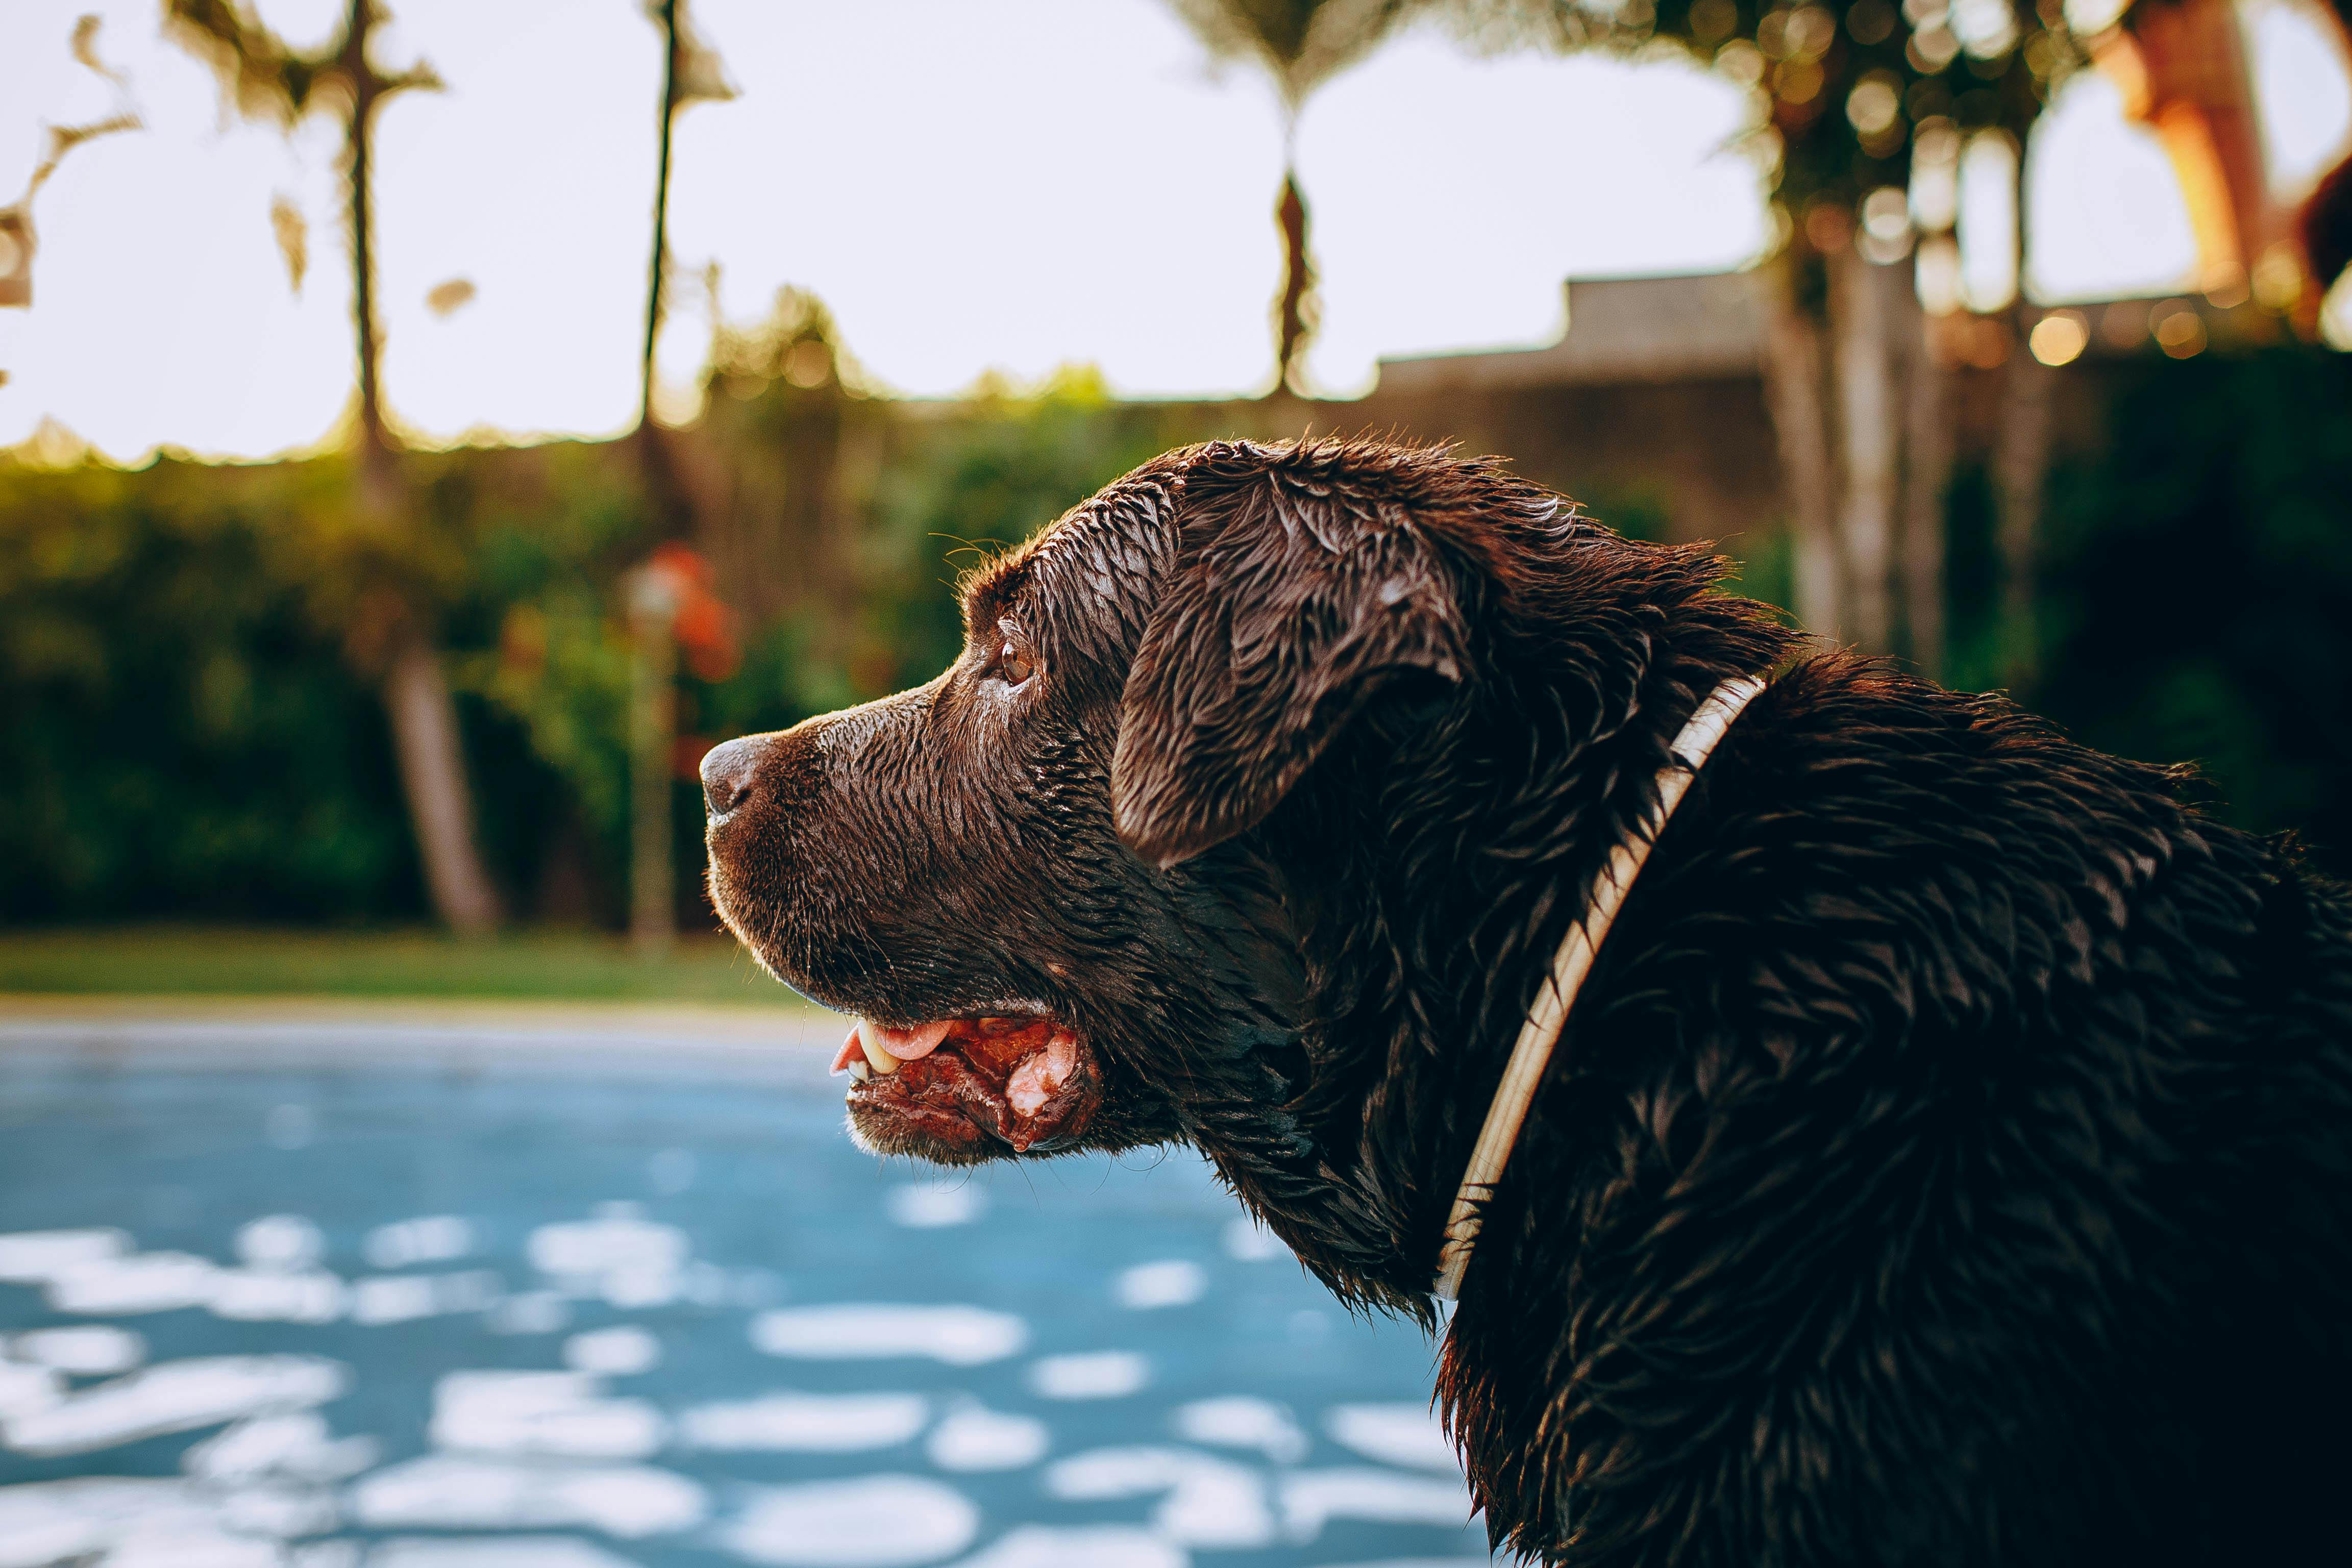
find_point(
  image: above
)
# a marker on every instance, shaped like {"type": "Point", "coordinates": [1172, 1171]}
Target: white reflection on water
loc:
{"type": "Point", "coordinates": [973, 1437]}
{"type": "Point", "coordinates": [173, 1397]}
{"type": "Point", "coordinates": [959, 1335]}
{"type": "Point", "coordinates": [453, 1492]}
{"type": "Point", "coordinates": [1089, 1374]}
{"type": "Point", "coordinates": [805, 1423]}
{"type": "Point", "coordinates": [873, 1522]}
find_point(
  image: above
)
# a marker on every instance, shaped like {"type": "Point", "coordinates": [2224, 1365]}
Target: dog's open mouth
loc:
{"type": "Point", "coordinates": [943, 1090]}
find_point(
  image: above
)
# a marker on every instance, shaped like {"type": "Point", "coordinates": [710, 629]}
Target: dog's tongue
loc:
{"type": "Point", "coordinates": [905, 1044]}
{"type": "Point", "coordinates": [882, 1047]}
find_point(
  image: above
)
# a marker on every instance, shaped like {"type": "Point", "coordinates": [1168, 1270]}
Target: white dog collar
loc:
{"type": "Point", "coordinates": [1525, 1070]}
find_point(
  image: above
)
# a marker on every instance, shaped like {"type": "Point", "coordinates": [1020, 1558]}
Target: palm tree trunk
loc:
{"type": "Point", "coordinates": [1861, 307]}
{"type": "Point", "coordinates": [379, 491]}
{"type": "Point", "coordinates": [653, 733]}
{"type": "Point", "coordinates": [433, 775]}
{"type": "Point", "coordinates": [2020, 465]}
{"type": "Point", "coordinates": [653, 720]}
{"type": "Point", "coordinates": [666, 17]}
{"type": "Point", "coordinates": [1796, 395]}
{"type": "Point", "coordinates": [656, 466]}
{"type": "Point", "coordinates": [415, 690]}
{"type": "Point", "coordinates": [1292, 310]}
{"type": "Point", "coordinates": [1928, 474]}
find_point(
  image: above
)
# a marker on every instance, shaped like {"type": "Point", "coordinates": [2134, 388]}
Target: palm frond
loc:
{"type": "Point", "coordinates": [256, 71]}
{"type": "Point", "coordinates": [1301, 44]}
{"type": "Point", "coordinates": [85, 49]}
{"type": "Point", "coordinates": [292, 233]}
{"type": "Point", "coordinates": [702, 75]}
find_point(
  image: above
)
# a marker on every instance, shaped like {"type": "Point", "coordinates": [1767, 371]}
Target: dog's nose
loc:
{"type": "Point", "coordinates": [728, 772]}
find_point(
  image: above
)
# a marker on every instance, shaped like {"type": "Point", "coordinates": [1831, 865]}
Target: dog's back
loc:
{"type": "Point", "coordinates": [1975, 1189]}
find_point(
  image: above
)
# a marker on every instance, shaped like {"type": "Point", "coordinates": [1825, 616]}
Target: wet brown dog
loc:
{"type": "Point", "coordinates": [1946, 1161]}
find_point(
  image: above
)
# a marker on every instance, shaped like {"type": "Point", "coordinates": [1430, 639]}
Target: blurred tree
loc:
{"type": "Point", "coordinates": [1864, 116]}
{"type": "Point", "coordinates": [16, 237]}
{"type": "Point", "coordinates": [2326, 222]}
{"type": "Point", "coordinates": [783, 528]}
{"type": "Point", "coordinates": [1300, 45]}
{"type": "Point", "coordinates": [387, 629]}
{"type": "Point", "coordinates": [691, 73]}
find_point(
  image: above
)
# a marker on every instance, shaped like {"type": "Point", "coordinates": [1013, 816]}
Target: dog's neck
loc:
{"type": "Point", "coordinates": [1450, 849]}
{"type": "Point", "coordinates": [1532, 1052]}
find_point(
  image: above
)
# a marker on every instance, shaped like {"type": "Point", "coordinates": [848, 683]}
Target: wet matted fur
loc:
{"type": "Point", "coordinates": [1945, 1162]}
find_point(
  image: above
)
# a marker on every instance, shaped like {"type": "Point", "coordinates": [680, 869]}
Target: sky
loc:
{"type": "Point", "coordinates": [970, 187]}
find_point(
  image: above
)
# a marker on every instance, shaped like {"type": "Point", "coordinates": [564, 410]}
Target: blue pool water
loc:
{"type": "Point", "coordinates": [342, 1303]}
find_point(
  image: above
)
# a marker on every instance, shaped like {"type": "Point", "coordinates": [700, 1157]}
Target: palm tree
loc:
{"type": "Point", "coordinates": [267, 79]}
{"type": "Point", "coordinates": [691, 73]}
{"type": "Point", "coordinates": [1300, 45]}
{"type": "Point", "coordinates": [1867, 106]}
{"type": "Point", "coordinates": [1856, 379]}
{"type": "Point", "coordinates": [16, 234]}
{"type": "Point", "coordinates": [1853, 94]}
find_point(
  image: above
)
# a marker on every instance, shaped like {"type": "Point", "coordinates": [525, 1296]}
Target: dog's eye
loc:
{"type": "Point", "coordinates": [1014, 662]}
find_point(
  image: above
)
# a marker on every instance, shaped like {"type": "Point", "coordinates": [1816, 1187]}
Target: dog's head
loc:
{"type": "Point", "coordinates": [1113, 876]}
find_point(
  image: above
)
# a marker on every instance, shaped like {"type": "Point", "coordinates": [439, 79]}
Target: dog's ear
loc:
{"type": "Point", "coordinates": [1289, 602]}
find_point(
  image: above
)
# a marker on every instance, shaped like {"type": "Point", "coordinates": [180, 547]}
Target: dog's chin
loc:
{"type": "Point", "coordinates": [957, 1090]}
{"type": "Point", "coordinates": [961, 1091]}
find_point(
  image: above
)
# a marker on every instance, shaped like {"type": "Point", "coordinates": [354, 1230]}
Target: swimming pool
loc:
{"type": "Point", "coordinates": [393, 1297]}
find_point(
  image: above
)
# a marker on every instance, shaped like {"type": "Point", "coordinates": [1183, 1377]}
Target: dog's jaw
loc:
{"type": "Point", "coordinates": [957, 1091]}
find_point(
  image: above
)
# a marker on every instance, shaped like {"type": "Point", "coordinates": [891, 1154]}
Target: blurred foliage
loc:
{"type": "Point", "coordinates": [1838, 88]}
{"type": "Point", "coordinates": [1301, 44]}
{"type": "Point", "coordinates": [2197, 602]}
{"type": "Point", "coordinates": [1001, 464]}
{"type": "Point", "coordinates": [179, 732]}
{"type": "Point", "coordinates": [266, 78]}
{"type": "Point", "coordinates": [182, 733]}
{"type": "Point", "coordinates": [1977, 654]}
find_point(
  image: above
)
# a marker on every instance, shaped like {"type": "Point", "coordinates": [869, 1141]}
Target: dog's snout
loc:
{"type": "Point", "coordinates": [730, 771]}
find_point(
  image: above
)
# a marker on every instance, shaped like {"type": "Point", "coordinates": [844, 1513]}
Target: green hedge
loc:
{"type": "Point", "coordinates": [180, 733]}
{"type": "Point", "coordinates": [2197, 594]}
{"type": "Point", "coordinates": [183, 732]}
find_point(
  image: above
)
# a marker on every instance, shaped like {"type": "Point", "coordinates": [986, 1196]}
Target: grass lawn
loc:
{"type": "Point", "coordinates": [196, 960]}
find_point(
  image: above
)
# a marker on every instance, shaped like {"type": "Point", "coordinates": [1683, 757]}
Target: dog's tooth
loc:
{"type": "Point", "coordinates": [1030, 1087]}
{"type": "Point", "coordinates": [880, 1060]}
{"type": "Point", "coordinates": [859, 1071]}
{"type": "Point", "coordinates": [1042, 1074]}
